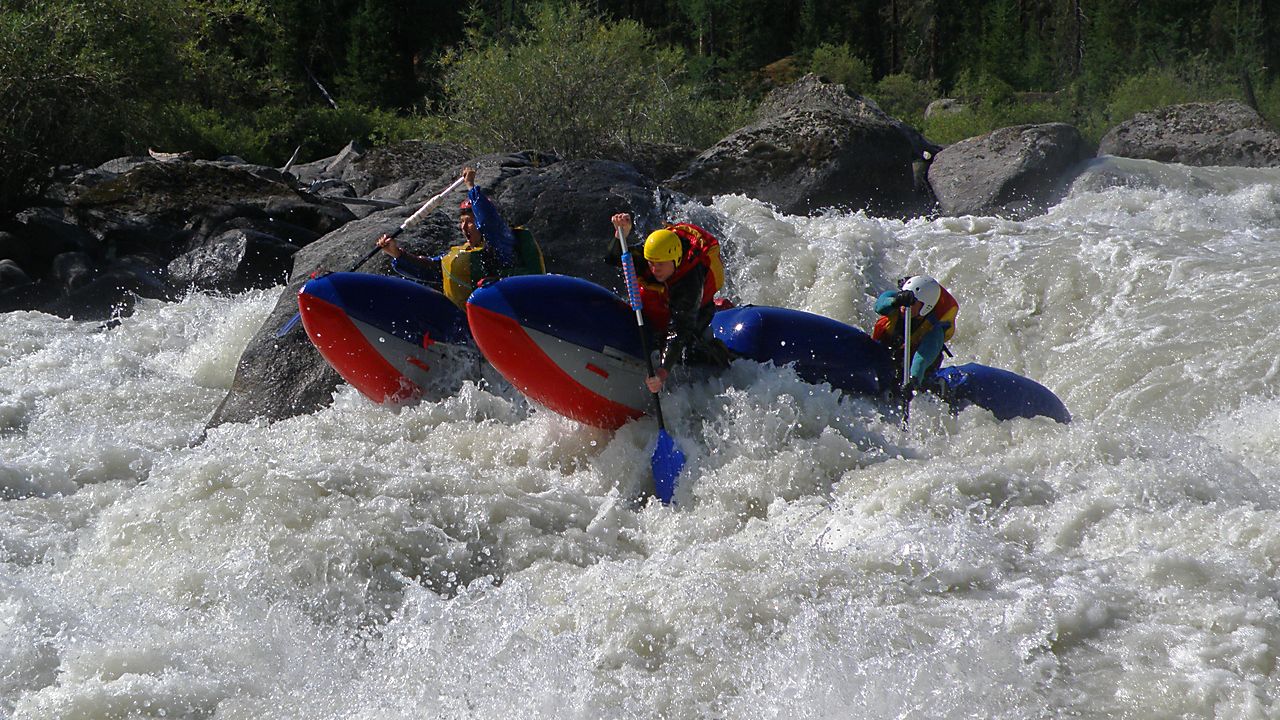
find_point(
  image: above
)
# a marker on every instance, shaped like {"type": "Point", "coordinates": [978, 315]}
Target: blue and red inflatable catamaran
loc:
{"type": "Point", "coordinates": [394, 340]}
{"type": "Point", "coordinates": [572, 346]}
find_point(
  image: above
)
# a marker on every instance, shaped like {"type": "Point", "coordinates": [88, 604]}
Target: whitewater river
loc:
{"type": "Point", "coordinates": [476, 558]}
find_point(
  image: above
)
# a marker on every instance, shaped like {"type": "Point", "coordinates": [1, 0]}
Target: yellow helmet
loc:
{"type": "Point", "coordinates": [663, 245]}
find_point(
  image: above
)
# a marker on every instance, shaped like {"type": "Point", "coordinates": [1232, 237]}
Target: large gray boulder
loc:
{"type": "Point", "coordinates": [1202, 134]}
{"type": "Point", "coordinates": [1013, 172]}
{"type": "Point", "coordinates": [365, 170]}
{"type": "Point", "coordinates": [567, 205]}
{"type": "Point", "coordinates": [235, 261]}
{"type": "Point", "coordinates": [812, 146]}
{"type": "Point", "coordinates": [39, 235]}
{"type": "Point", "coordinates": [12, 276]}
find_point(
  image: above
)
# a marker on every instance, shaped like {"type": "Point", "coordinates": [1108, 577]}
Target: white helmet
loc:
{"type": "Point", "coordinates": [926, 289]}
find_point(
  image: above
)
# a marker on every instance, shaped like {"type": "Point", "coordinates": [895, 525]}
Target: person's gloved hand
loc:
{"type": "Point", "coordinates": [904, 298]}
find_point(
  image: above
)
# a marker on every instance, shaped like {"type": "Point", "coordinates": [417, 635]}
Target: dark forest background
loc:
{"type": "Point", "coordinates": [82, 81]}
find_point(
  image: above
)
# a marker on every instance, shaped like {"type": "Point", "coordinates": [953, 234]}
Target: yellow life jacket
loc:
{"type": "Point", "coordinates": [461, 269]}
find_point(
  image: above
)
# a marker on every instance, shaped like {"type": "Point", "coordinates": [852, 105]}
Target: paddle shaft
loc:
{"type": "Point", "coordinates": [633, 295]}
{"type": "Point", "coordinates": [421, 212]}
{"type": "Point", "coordinates": [906, 364]}
{"type": "Point", "coordinates": [413, 219]}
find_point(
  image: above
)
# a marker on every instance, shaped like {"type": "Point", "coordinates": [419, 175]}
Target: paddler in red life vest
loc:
{"type": "Point", "coordinates": [933, 322]}
{"type": "Point", "coordinates": [679, 278]}
{"type": "Point", "coordinates": [490, 249]}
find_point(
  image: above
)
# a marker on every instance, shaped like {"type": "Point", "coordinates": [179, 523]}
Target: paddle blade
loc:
{"type": "Point", "coordinates": [289, 326]}
{"type": "Point", "coordinates": [668, 461]}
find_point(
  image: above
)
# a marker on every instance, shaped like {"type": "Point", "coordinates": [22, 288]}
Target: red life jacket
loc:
{"type": "Point", "coordinates": [701, 248]}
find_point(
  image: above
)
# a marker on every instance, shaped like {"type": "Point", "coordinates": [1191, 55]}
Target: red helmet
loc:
{"type": "Point", "coordinates": [464, 208]}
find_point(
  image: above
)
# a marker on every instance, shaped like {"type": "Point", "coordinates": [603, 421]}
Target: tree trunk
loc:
{"type": "Point", "coordinates": [1078, 59]}
{"type": "Point", "coordinates": [1247, 84]}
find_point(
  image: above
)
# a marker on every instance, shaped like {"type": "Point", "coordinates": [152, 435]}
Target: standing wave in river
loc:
{"type": "Point", "coordinates": [475, 557]}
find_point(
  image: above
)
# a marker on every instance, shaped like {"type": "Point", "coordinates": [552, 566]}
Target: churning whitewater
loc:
{"type": "Point", "coordinates": [478, 558]}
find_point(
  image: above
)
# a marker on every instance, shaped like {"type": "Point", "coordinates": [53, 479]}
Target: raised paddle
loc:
{"type": "Point", "coordinates": [667, 460]}
{"type": "Point", "coordinates": [413, 219]}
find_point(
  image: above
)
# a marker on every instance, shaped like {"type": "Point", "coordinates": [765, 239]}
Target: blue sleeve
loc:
{"type": "Point", "coordinates": [927, 351]}
{"type": "Point", "coordinates": [421, 269]}
{"type": "Point", "coordinates": [497, 234]}
{"type": "Point", "coordinates": [884, 303]}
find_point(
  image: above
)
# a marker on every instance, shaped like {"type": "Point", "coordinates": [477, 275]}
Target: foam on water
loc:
{"type": "Point", "coordinates": [478, 557]}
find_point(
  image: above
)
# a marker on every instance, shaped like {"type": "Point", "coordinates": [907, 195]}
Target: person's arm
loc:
{"type": "Point", "coordinates": [889, 301]}
{"type": "Point", "coordinates": [685, 301]}
{"type": "Point", "coordinates": [418, 267]}
{"type": "Point", "coordinates": [622, 221]}
{"type": "Point", "coordinates": [415, 267]}
{"type": "Point", "coordinates": [497, 234]}
{"type": "Point", "coordinates": [927, 351]}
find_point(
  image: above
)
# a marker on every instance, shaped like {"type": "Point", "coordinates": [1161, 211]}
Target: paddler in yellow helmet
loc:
{"type": "Point", "coordinates": [679, 277]}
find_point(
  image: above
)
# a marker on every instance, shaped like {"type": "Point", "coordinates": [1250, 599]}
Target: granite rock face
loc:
{"type": "Point", "coordinates": [1202, 134]}
{"type": "Point", "coordinates": [815, 146]}
{"type": "Point", "coordinates": [1013, 172]}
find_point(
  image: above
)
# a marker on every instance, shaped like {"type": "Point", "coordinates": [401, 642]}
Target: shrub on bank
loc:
{"type": "Point", "coordinates": [576, 85]}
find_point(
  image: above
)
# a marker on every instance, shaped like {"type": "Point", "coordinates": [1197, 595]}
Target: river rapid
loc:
{"type": "Point", "coordinates": [477, 557]}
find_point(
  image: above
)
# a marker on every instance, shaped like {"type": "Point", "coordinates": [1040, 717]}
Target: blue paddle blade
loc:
{"type": "Point", "coordinates": [668, 461]}
{"type": "Point", "coordinates": [293, 322]}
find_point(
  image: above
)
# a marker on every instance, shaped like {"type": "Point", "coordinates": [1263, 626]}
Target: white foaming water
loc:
{"type": "Point", "coordinates": [476, 558]}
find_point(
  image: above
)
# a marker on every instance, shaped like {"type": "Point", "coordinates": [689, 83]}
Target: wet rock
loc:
{"type": "Point", "coordinates": [12, 276]}
{"type": "Point", "coordinates": [73, 270]}
{"type": "Point", "coordinates": [38, 235]}
{"type": "Point", "coordinates": [1013, 172]}
{"type": "Point", "coordinates": [143, 210]}
{"type": "Point", "coordinates": [114, 291]}
{"type": "Point", "coordinates": [1203, 134]}
{"type": "Point", "coordinates": [235, 261]}
{"type": "Point", "coordinates": [815, 146]}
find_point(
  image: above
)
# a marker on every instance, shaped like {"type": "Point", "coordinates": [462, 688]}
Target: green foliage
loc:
{"type": "Point", "coordinates": [1194, 82]}
{"type": "Point", "coordinates": [576, 85]}
{"type": "Point", "coordinates": [838, 64]}
{"type": "Point", "coordinates": [76, 82]}
{"type": "Point", "coordinates": [270, 135]}
{"type": "Point", "coordinates": [984, 89]}
{"type": "Point", "coordinates": [372, 62]}
{"type": "Point", "coordinates": [226, 53]}
{"type": "Point", "coordinates": [904, 97]}
{"type": "Point", "coordinates": [1000, 50]}
{"type": "Point", "coordinates": [1147, 91]}
{"type": "Point", "coordinates": [1269, 102]}
{"type": "Point", "coordinates": [952, 127]}
{"type": "Point", "coordinates": [85, 80]}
